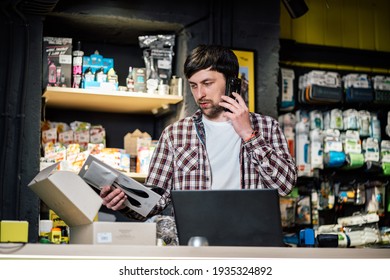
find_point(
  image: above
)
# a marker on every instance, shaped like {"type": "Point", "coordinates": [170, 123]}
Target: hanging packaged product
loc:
{"type": "Point", "coordinates": [302, 157]}
{"type": "Point", "coordinates": [364, 119]}
{"type": "Point", "coordinates": [287, 101]}
{"type": "Point", "coordinates": [375, 127]}
{"type": "Point", "coordinates": [57, 61]}
{"type": "Point", "coordinates": [381, 85]}
{"type": "Point", "coordinates": [350, 119]}
{"type": "Point", "coordinates": [288, 122]}
{"type": "Point", "coordinates": [385, 156]}
{"type": "Point", "coordinates": [370, 147]}
{"type": "Point", "coordinates": [334, 155]}
{"type": "Point", "coordinates": [320, 87]}
{"type": "Point", "coordinates": [357, 88]}
{"type": "Point", "coordinates": [158, 54]}
{"type": "Point", "coordinates": [316, 148]}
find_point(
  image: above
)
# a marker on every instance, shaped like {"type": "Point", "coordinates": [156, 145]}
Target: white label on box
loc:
{"type": "Point", "coordinates": [104, 237]}
{"type": "Point", "coordinates": [164, 64]}
{"type": "Point", "coordinates": [65, 59]}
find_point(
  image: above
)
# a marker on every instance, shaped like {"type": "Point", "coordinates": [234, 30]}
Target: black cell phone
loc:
{"type": "Point", "coordinates": [232, 85]}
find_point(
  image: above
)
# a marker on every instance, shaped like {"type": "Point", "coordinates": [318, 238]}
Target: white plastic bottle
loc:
{"type": "Point", "coordinates": [130, 80]}
{"type": "Point", "coordinates": [375, 128]}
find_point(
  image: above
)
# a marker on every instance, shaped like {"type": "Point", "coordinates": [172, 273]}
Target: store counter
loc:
{"type": "Point", "coordinates": [41, 251]}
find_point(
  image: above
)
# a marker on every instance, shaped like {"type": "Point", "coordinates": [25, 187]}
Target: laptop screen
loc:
{"type": "Point", "coordinates": [229, 217]}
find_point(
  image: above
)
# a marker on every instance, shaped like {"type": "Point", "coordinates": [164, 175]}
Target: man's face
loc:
{"type": "Point", "coordinates": [207, 87]}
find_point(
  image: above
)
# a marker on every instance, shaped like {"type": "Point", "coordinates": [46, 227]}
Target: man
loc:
{"type": "Point", "coordinates": [221, 146]}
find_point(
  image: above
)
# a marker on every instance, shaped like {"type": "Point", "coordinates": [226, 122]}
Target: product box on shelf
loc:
{"type": "Point", "coordinates": [132, 143]}
{"type": "Point", "coordinates": [96, 70]}
{"type": "Point", "coordinates": [131, 139]}
{"type": "Point", "coordinates": [77, 204]}
{"type": "Point", "coordinates": [57, 62]}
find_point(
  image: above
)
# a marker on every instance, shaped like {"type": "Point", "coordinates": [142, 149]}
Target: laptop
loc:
{"type": "Point", "coordinates": [229, 217]}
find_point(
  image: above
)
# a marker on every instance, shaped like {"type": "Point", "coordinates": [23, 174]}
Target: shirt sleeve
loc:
{"type": "Point", "coordinates": [161, 171]}
{"type": "Point", "coordinates": [269, 152]}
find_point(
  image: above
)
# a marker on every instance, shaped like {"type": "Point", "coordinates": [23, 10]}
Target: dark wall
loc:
{"type": "Point", "coordinates": [241, 26]}
{"type": "Point", "coordinates": [20, 101]}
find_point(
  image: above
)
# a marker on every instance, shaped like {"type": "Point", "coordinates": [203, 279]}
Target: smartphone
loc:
{"type": "Point", "coordinates": [232, 85]}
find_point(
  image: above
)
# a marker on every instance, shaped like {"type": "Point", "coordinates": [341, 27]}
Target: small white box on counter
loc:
{"type": "Point", "coordinates": [117, 233]}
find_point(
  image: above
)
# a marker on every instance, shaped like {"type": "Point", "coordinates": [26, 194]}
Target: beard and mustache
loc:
{"type": "Point", "coordinates": [212, 111]}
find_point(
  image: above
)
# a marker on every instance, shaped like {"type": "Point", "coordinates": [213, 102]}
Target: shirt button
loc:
{"type": "Point", "coordinates": [207, 178]}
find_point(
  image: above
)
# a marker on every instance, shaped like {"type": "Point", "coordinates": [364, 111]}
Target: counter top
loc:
{"type": "Point", "coordinates": [39, 251]}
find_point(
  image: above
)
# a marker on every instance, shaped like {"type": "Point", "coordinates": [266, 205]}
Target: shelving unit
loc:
{"type": "Point", "coordinates": [111, 102]}
{"type": "Point", "coordinates": [340, 180]}
{"type": "Point", "coordinates": [108, 101]}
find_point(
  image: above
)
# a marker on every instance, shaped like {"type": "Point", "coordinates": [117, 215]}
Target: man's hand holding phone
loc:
{"type": "Point", "coordinates": [232, 85]}
{"type": "Point", "coordinates": [240, 116]}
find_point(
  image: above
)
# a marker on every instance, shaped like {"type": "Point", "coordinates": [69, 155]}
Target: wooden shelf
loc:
{"type": "Point", "coordinates": [108, 101]}
{"type": "Point", "coordinates": [140, 177]}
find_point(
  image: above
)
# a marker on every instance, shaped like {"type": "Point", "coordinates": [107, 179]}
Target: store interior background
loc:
{"type": "Point", "coordinates": [349, 35]}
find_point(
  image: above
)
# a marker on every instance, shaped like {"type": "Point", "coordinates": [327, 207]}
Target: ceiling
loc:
{"type": "Point", "coordinates": [104, 28]}
{"type": "Point", "coordinates": [95, 21]}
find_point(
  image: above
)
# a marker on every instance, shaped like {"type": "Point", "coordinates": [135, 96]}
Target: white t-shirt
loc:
{"type": "Point", "coordinates": [223, 147]}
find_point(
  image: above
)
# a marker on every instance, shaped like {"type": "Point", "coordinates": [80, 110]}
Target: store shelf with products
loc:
{"type": "Point", "coordinates": [113, 103]}
{"type": "Point", "coordinates": [108, 101]}
{"type": "Point", "coordinates": [343, 191]}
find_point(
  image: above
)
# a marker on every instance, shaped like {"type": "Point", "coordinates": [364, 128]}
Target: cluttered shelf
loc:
{"type": "Point", "coordinates": [108, 101]}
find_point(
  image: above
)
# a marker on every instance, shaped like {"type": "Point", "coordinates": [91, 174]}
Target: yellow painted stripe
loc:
{"type": "Point", "coordinates": [352, 68]}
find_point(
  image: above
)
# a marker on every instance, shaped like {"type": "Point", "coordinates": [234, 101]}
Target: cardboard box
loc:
{"type": "Point", "coordinates": [13, 231]}
{"type": "Point", "coordinates": [57, 62]}
{"type": "Point", "coordinates": [68, 195]}
{"type": "Point", "coordinates": [131, 141]}
{"type": "Point", "coordinates": [117, 233]}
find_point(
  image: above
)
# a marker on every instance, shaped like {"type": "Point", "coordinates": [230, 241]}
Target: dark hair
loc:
{"type": "Point", "coordinates": [215, 57]}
